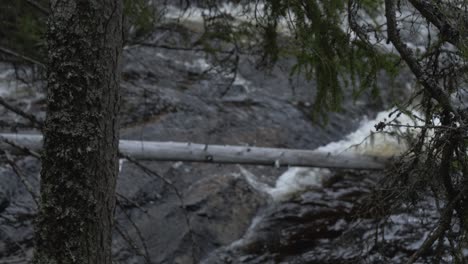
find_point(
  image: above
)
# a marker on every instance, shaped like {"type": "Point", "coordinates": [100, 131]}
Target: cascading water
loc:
{"type": "Point", "coordinates": [364, 141]}
{"type": "Point", "coordinates": [310, 220]}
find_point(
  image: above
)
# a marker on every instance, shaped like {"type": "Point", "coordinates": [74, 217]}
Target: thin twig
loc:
{"type": "Point", "coordinates": [439, 231]}
{"type": "Point", "coordinates": [33, 119]}
{"type": "Point", "coordinates": [422, 126]}
{"type": "Point", "coordinates": [21, 148]}
{"type": "Point", "coordinates": [441, 19]}
{"type": "Point", "coordinates": [408, 56]}
{"type": "Point", "coordinates": [16, 260]}
{"type": "Point", "coordinates": [444, 224]}
{"type": "Point", "coordinates": [135, 204]}
{"type": "Point", "coordinates": [177, 193]}
{"type": "Point", "coordinates": [13, 126]}
{"type": "Point", "coordinates": [23, 57]}
{"type": "Point", "coordinates": [130, 241]}
{"type": "Point", "coordinates": [140, 236]}
{"type": "Point", "coordinates": [21, 176]}
{"type": "Point", "coordinates": [41, 8]}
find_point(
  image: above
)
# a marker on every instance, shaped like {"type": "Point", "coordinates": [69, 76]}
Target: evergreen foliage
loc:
{"type": "Point", "coordinates": [323, 45]}
{"type": "Point", "coordinates": [141, 18]}
{"type": "Point", "coordinates": [23, 26]}
{"type": "Point", "coordinates": [325, 49]}
{"type": "Point", "coordinates": [24, 23]}
{"type": "Point", "coordinates": [316, 33]}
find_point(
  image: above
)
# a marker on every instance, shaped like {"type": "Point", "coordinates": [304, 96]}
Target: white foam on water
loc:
{"type": "Point", "coordinates": [200, 64]}
{"type": "Point", "coordinates": [296, 180]}
{"type": "Point", "coordinates": [365, 141]}
{"type": "Point", "coordinates": [252, 180]}
{"type": "Point", "coordinates": [121, 162]}
{"type": "Point", "coordinates": [193, 16]}
{"type": "Point", "coordinates": [243, 82]}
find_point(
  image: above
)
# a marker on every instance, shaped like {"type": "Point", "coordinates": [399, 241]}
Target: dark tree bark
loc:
{"type": "Point", "coordinates": [80, 162]}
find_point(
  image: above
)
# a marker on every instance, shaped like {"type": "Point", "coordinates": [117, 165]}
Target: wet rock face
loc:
{"type": "Point", "coordinates": [215, 201]}
{"type": "Point", "coordinates": [217, 211]}
{"type": "Point", "coordinates": [17, 211]}
{"type": "Point", "coordinates": [332, 225]}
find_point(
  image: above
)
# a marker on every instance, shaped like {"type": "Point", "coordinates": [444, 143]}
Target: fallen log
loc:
{"type": "Point", "coordinates": [192, 152]}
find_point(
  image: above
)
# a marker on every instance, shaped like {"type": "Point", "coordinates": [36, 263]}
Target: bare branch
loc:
{"type": "Point", "coordinates": [133, 203]}
{"type": "Point", "coordinates": [431, 11]}
{"type": "Point", "coordinates": [21, 176]}
{"type": "Point", "coordinates": [23, 149]}
{"type": "Point", "coordinates": [13, 126]}
{"type": "Point", "coordinates": [407, 55]}
{"type": "Point", "coordinates": [38, 6]}
{"type": "Point", "coordinates": [130, 242]}
{"type": "Point", "coordinates": [177, 193]}
{"type": "Point", "coordinates": [444, 224]}
{"type": "Point", "coordinates": [33, 119]}
{"type": "Point", "coordinates": [438, 232]}
{"type": "Point", "coordinates": [359, 30]}
{"type": "Point", "coordinates": [140, 236]}
{"type": "Point", "coordinates": [23, 57]}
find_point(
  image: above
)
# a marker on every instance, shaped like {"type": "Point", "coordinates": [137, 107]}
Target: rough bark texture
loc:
{"type": "Point", "coordinates": [80, 163]}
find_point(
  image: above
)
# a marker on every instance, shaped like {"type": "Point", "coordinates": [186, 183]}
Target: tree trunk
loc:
{"type": "Point", "coordinates": [192, 152]}
{"type": "Point", "coordinates": [80, 162]}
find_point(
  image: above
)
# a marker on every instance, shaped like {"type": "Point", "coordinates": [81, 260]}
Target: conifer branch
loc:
{"type": "Point", "coordinates": [432, 12]}
{"type": "Point", "coordinates": [408, 56]}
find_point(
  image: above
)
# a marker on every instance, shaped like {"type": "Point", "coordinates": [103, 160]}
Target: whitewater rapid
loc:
{"type": "Point", "coordinates": [364, 141]}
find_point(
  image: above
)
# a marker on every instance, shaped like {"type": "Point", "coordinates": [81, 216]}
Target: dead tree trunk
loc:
{"type": "Point", "coordinates": [80, 162]}
{"type": "Point", "coordinates": [192, 152]}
